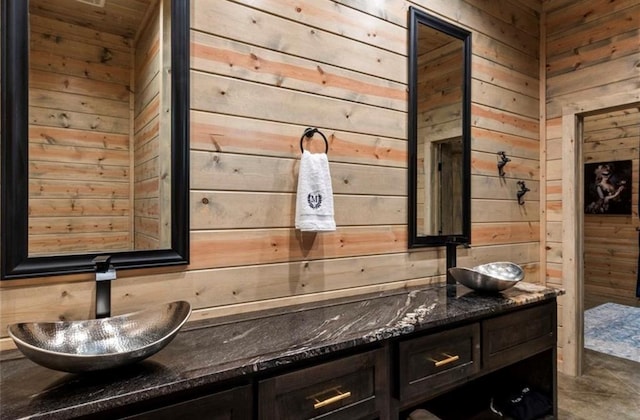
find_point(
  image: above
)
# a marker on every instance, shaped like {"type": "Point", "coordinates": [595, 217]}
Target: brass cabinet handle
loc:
{"type": "Point", "coordinates": [449, 359]}
{"type": "Point", "coordinates": [331, 400]}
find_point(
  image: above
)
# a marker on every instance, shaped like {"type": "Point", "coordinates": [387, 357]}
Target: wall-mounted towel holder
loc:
{"type": "Point", "coordinates": [503, 161]}
{"type": "Point", "coordinates": [523, 190]}
{"type": "Point", "coordinates": [308, 133]}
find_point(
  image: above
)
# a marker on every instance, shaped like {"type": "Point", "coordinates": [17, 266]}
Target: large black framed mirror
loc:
{"type": "Point", "coordinates": [439, 131]}
{"type": "Point", "coordinates": [95, 135]}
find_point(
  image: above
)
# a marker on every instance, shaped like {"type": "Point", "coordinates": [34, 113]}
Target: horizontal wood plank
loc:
{"type": "Point", "coordinates": [228, 210]}
{"type": "Point", "coordinates": [246, 247]}
{"type": "Point", "coordinates": [232, 134]}
{"type": "Point", "coordinates": [259, 173]}
{"type": "Point", "coordinates": [256, 27]}
{"type": "Point", "coordinates": [234, 59]}
{"type": "Point", "coordinates": [231, 96]}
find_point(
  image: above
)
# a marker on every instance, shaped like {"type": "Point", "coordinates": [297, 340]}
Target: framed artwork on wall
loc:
{"type": "Point", "coordinates": [607, 187]}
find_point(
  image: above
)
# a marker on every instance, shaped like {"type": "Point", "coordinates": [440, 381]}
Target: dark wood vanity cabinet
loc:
{"type": "Point", "coordinates": [353, 387]}
{"type": "Point", "coordinates": [455, 373]}
{"type": "Point", "coordinates": [452, 362]}
{"type": "Point", "coordinates": [435, 362]}
{"type": "Point", "coordinates": [451, 371]}
{"type": "Point", "coordinates": [231, 404]}
{"type": "Point", "coordinates": [512, 337]}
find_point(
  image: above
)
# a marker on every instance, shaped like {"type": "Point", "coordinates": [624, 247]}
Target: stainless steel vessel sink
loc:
{"type": "Point", "coordinates": [491, 277]}
{"type": "Point", "coordinates": [97, 344]}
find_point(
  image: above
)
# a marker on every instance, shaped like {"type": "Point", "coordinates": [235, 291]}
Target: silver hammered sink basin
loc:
{"type": "Point", "coordinates": [97, 344]}
{"type": "Point", "coordinates": [491, 277]}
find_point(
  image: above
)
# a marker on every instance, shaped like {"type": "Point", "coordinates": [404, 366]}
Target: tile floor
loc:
{"type": "Point", "coordinates": [608, 389]}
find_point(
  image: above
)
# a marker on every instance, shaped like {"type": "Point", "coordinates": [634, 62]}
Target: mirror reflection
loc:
{"type": "Point", "coordinates": [439, 131]}
{"type": "Point", "coordinates": [95, 135]}
{"type": "Point", "coordinates": [99, 126]}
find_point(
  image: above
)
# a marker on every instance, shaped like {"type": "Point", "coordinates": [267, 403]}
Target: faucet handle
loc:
{"type": "Point", "coordinates": [457, 240]}
{"type": "Point", "coordinates": [102, 263]}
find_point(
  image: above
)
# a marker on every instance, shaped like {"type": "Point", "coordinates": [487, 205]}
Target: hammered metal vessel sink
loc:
{"type": "Point", "coordinates": [98, 344]}
{"type": "Point", "coordinates": [491, 277]}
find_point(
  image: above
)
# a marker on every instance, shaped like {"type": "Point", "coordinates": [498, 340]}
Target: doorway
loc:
{"type": "Point", "coordinates": [573, 179]}
{"type": "Point", "coordinates": [611, 140]}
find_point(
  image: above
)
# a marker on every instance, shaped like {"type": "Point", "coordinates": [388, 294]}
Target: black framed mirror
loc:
{"type": "Point", "coordinates": [95, 135]}
{"type": "Point", "coordinates": [439, 132]}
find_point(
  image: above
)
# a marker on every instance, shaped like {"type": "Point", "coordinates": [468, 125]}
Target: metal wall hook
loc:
{"type": "Point", "coordinates": [308, 133]}
{"type": "Point", "coordinates": [523, 190]}
{"type": "Point", "coordinates": [504, 160]}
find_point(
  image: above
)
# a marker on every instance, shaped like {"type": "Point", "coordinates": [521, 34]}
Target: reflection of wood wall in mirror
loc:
{"type": "Point", "coordinates": [440, 81]}
{"type": "Point", "coordinates": [82, 79]}
{"type": "Point", "coordinates": [152, 212]}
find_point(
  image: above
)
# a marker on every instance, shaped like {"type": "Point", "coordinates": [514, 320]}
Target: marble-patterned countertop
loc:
{"type": "Point", "coordinates": [210, 351]}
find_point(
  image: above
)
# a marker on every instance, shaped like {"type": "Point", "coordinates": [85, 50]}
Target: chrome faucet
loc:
{"type": "Point", "coordinates": [105, 272]}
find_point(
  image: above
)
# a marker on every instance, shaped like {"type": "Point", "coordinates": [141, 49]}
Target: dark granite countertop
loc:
{"type": "Point", "coordinates": [206, 352]}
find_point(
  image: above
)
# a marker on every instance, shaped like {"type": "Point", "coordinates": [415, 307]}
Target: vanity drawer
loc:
{"type": "Point", "coordinates": [431, 364]}
{"type": "Point", "coordinates": [512, 337]}
{"type": "Point", "coordinates": [354, 387]}
{"type": "Point", "coordinates": [232, 404]}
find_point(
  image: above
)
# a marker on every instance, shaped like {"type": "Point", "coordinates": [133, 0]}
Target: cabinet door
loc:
{"type": "Point", "coordinates": [353, 387]}
{"type": "Point", "coordinates": [515, 336]}
{"type": "Point", "coordinates": [233, 404]}
{"type": "Point", "coordinates": [436, 362]}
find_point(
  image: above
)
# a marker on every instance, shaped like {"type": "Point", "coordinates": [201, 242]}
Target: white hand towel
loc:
{"type": "Point", "coordinates": [314, 201]}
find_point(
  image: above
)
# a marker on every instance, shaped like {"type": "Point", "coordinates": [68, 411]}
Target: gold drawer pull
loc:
{"type": "Point", "coordinates": [449, 359]}
{"type": "Point", "coordinates": [331, 400]}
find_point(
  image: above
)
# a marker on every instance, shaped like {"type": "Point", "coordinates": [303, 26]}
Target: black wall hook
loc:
{"type": "Point", "coordinates": [522, 192]}
{"type": "Point", "coordinates": [503, 161]}
{"type": "Point", "coordinates": [308, 133]}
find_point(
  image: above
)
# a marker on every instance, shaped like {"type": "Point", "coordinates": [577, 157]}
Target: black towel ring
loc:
{"type": "Point", "coordinates": [308, 133]}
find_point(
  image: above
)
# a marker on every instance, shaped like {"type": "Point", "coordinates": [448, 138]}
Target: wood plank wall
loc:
{"type": "Point", "coordinates": [264, 71]}
{"type": "Point", "coordinates": [611, 242]}
{"type": "Point", "coordinates": [439, 105]}
{"type": "Point", "coordinates": [78, 139]}
{"type": "Point", "coordinates": [591, 51]}
{"type": "Point", "coordinates": [147, 142]}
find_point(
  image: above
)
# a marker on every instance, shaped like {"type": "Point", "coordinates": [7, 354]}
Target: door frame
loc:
{"type": "Point", "coordinates": [572, 341]}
